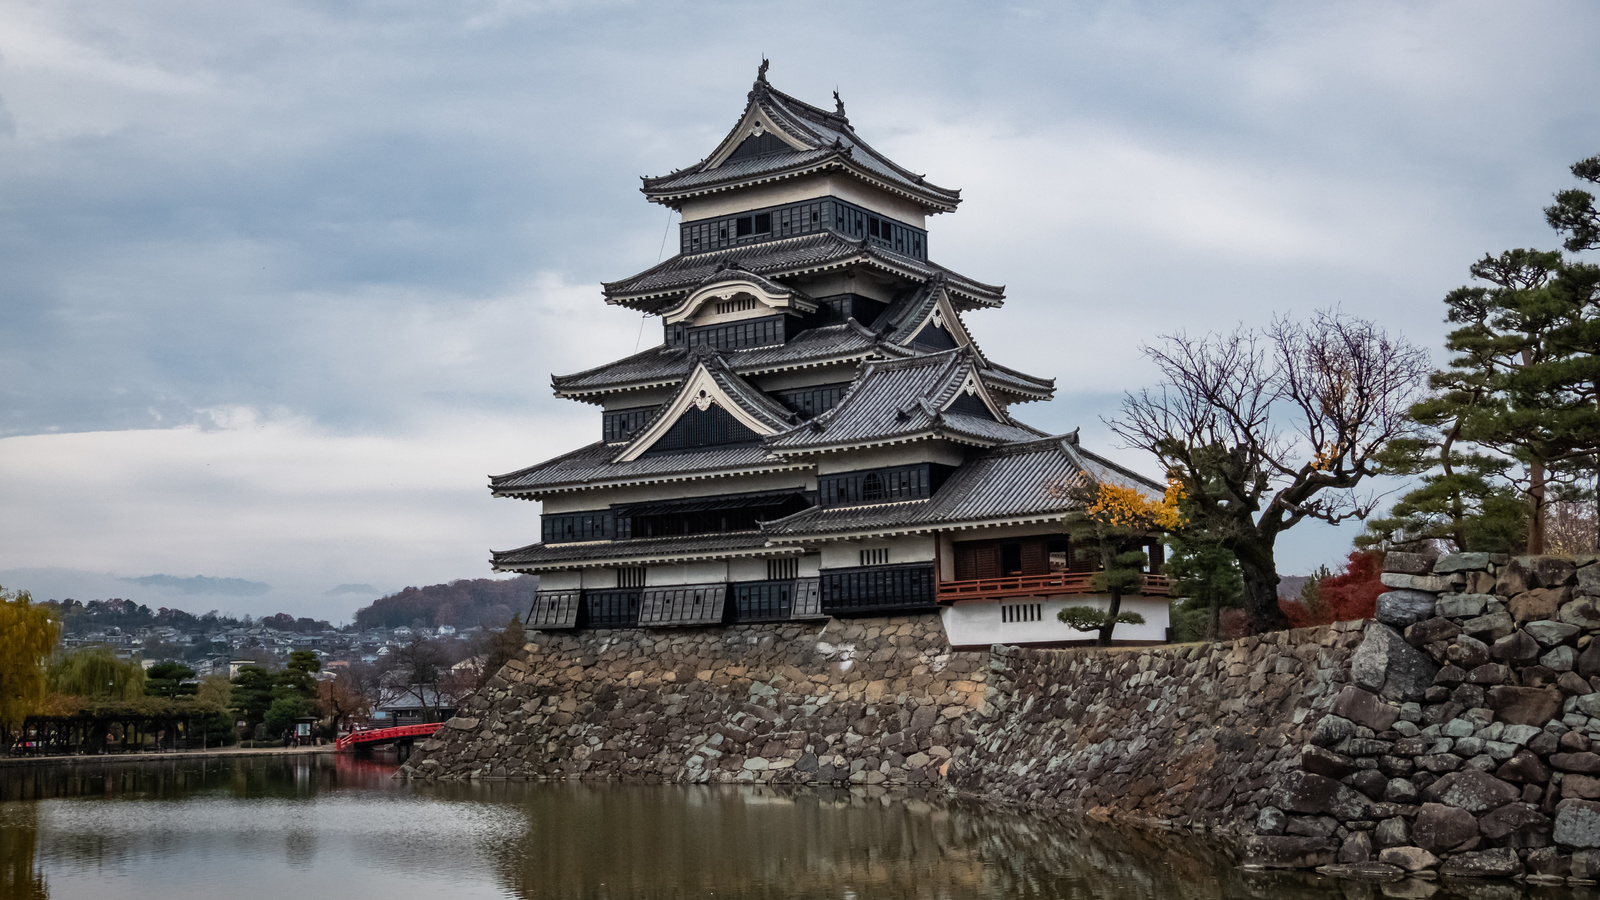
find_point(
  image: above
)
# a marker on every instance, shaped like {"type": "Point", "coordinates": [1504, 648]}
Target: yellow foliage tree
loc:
{"type": "Point", "coordinates": [1113, 513]}
{"type": "Point", "coordinates": [28, 633]}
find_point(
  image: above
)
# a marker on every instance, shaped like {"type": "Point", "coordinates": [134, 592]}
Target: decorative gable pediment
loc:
{"type": "Point", "coordinates": [759, 127]}
{"type": "Point", "coordinates": [703, 401]}
{"type": "Point", "coordinates": [941, 327]}
{"type": "Point", "coordinates": [972, 398]}
{"type": "Point", "coordinates": [733, 285]}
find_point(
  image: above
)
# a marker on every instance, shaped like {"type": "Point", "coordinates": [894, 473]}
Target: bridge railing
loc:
{"type": "Point", "coordinates": [382, 735]}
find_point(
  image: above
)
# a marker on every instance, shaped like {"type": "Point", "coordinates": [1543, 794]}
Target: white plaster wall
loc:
{"type": "Point", "coordinates": [810, 564]}
{"type": "Point", "coordinates": [560, 581]}
{"type": "Point", "coordinates": [632, 399]}
{"type": "Point", "coordinates": [972, 623]}
{"type": "Point", "coordinates": [596, 578]}
{"type": "Point", "coordinates": [851, 281]}
{"type": "Point", "coordinates": [908, 549]}
{"type": "Point", "coordinates": [747, 569]}
{"type": "Point", "coordinates": [942, 452]}
{"type": "Point", "coordinates": [809, 187]}
{"type": "Point", "coordinates": [687, 573]}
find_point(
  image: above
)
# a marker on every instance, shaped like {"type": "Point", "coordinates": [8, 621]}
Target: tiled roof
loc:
{"type": "Point", "coordinates": [1021, 480]}
{"type": "Point", "coordinates": [829, 141]}
{"type": "Point", "coordinates": [638, 550]}
{"type": "Point", "coordinates": [900, 400]}
{"type": "Point", "coordinates": [904, 318]}
{"type": "Point", "coordinates": [658, 286]}
{"type": "Point", "coordinates": [593, 466]}
{"type": "Point", "coordinates": [667, 365]}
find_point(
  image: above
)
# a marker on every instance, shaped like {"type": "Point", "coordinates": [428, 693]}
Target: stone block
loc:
{"type": "Point", "coordinates": [1474, 791]}
{"type": "Point", "coordinates": [1404, 607]}
{"type": "Point", "coordinates": [1431, 630]}
{"type": "Point", "coordinates": [1439, 828]}
{"type": "Point", "coordinates": [1514, 577]}
{"type": "Point", "coordinates": [1582, 612]}
{"type": "Point", "coordinates": [1320, 761]}
{"type": "Point", "coordinates": [1585, 762]}
{"type": "Point", "coordinates": [1385, 664]}
{"type": "Point", "coordinates": [1411, 563]}
{"type": "Point", "coordinates": [1500, 862]}
{"type": "Point", "coordinates": [1552, 571]}
{"type": "Point", "coordinates": [1431, 583]}
{"type": "Point", "coordinates": [1519, 821]}
{"type": "Point", "coordinates": [1589, 580]}
{"type": "Point", "coordinates": [1560, 659]}
{"type": "Point", "coordinates": [1309, 794]}
{"type": "Point", "coordinates": [1489, 674]}
{"type": "Point", "coordinates": [1271, 821]}
{"type": "Point", "coordinates": [1462, 606]}
{"type": "Point", "coordinates": [1391, 832]}
{"type": "Point", "coordinates": [1489, 627]}
{"type": "Point", "coordinates": [1525, 767]}
{"type": "Point", "coordinates": [1411, 859]}
{"type": "Point", "coordinates": [1467, 652]}
{"type": "Point", "coordinates": [1332, 729]}
{"type": "Point", "coordinates": [1539, 604]}
{"type": "Point", "coordinates": [1577, 824]}
{"type": "Point", "coordinates": [1357, 848]}
{"type": "Point", "coordinates": [1523, 705]}
{"type": "Point", "coordinates": [1457, 562]}
{"type": "Point", "coordinates": [1365, 708]}
{"type": "Point", "coordinates": [1549, 634]}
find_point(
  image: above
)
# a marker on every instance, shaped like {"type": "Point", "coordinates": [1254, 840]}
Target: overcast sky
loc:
{"type": "Point", "coordinates": [281, 283]}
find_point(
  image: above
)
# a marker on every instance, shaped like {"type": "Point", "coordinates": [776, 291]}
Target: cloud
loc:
{"type": "Point", "coordinates": [280, 284]}
{"type": "Point", "coordinates": [363, 589]}
{"type": "Point", "coordinates": [204, 584]}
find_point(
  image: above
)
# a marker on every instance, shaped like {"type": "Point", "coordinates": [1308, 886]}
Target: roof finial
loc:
{"type": "Point", "coordinates": [761, 72]}
{"type": "Point", "coordinates": [838, 104]}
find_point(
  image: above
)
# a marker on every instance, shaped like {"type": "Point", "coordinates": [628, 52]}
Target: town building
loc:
{"type": "Point", "coordinates": [818, 434]}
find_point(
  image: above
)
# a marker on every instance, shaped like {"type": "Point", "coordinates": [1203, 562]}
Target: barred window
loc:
{"type": "Point", "coordinates": [878, 556]}
{"type": "Point", "coordinates": [631, 577]}
{"type": "Point", "coordinates": [782, 569]}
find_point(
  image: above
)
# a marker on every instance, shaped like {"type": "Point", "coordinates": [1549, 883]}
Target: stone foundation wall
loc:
{"type": "Point", "coordinates": [865, 701]}
{"type": "Point", "coordinates": [1190, 734]}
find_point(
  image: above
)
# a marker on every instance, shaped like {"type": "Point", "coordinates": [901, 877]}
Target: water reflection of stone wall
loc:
{"type": "Point", "coordinates": [1188, 734]}
{"type": "Point", "coordinates": [865, 701]}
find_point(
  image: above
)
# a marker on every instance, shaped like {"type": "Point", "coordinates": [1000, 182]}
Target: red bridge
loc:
{"type": "Point", "coordinates": [374, 736]}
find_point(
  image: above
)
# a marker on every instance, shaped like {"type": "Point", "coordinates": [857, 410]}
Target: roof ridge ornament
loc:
{"type": "Point", "coordinates": [838, 104]}
{"type": "Point", "coordinates": [761, 70]}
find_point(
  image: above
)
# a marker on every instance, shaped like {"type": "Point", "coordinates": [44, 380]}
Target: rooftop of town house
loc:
{"type": "Point", "coordinates": [779, 137]}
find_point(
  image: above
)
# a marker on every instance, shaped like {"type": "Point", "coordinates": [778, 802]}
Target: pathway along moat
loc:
{"type": "Point", "coordinates": [276, 827]}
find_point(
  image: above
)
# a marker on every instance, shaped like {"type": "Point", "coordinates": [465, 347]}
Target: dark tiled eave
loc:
{"type": "Point", "coordinates": [593, 467]}
{"type": "Point", "coordinates": [638, 551]}
{"type": "Point", "coordinates": [663, 284]}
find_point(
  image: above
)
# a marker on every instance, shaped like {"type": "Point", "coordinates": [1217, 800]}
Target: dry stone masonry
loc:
{"type": "Point", "coordinates": [1456, 735]}
{"type": "Point", "coordinates": [863, 701]}
{"type": "Point", "coordinates": [1462, 742]}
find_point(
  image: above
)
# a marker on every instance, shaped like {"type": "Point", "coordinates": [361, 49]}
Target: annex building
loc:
{"type": "Point", "coordinates": [818, 433]}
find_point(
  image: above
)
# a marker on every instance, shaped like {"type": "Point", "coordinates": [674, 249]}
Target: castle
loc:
{"type": "Point", "coordinates": [818, 435]}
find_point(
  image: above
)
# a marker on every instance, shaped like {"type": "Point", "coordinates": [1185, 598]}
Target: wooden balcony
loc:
{"type": "Point", "coordinates": [1037, 586]}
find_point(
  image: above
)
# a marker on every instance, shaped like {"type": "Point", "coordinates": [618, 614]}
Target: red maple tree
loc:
{"type": "Point", "coordinates": [1350, 594]}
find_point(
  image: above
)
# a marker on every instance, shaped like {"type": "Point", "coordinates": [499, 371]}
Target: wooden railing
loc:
{"type": "Point", "coordinates": [1037, 586]}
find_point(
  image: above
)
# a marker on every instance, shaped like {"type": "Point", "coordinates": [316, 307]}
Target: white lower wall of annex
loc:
{"type": "Point", "coordinates": [907, 549]}
{"type": "Point", "coordinates": [979, 623]}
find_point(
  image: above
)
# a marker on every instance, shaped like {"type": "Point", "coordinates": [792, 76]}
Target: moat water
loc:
{"type": "Point", "coordinates": [299, 827]}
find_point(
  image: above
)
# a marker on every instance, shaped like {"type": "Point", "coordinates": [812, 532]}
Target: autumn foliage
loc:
{"type": "Point", "coordinates": [1350, 594]}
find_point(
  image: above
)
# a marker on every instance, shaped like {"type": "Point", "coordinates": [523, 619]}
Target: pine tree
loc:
{"type": "Point", "coordinates": [1206, 575]}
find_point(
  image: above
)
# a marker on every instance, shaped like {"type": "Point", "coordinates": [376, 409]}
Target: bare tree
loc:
{"type": "Point", "coordinates": [1267, 428]}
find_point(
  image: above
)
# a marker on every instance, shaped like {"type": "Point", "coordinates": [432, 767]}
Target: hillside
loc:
{"type": "Point", "coordinates": [464, 603]}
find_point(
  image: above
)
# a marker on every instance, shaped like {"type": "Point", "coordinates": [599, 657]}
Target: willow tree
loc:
{"type": "Point", "coordinates": [1113, 514]}
{"type": "Point", "coordinates": [1265, 429]}
{"type": "Point", "coordinates": [28, 633]}
{"type": "Point", "coordinates": [95, 673]}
